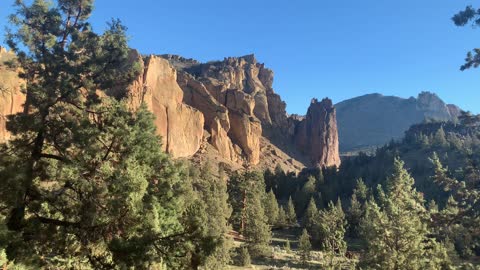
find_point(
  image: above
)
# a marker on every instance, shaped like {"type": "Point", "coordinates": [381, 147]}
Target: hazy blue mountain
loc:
{"type": "Point", "coordinates": [374, 119]}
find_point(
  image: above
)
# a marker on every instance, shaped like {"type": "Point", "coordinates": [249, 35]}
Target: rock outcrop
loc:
{"type": "Point", "coordinates": [224, 111]}
{"type": "Point", "coordinates": [11, 97]}
{"type": "Point", "coordinates": [316, 135]}
{"type": "Point", "coordinates": [180, 125]}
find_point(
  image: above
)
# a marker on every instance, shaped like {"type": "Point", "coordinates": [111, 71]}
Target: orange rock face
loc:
{"type": "Point", "coordinates": [317, 136]}
{"type": "Point", "coordinates": [229, 105]}
{"type": "Point", "coordinates": [11, 98]}
{"type": "Point", "coordinates": [179, 125]}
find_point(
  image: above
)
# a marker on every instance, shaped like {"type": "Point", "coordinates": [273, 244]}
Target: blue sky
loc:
{"type": "Point", "coordinates": [335, 48]}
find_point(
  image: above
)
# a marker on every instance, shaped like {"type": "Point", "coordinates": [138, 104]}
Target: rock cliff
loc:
{"type": "Point", "coordinates": [316, 135]}
{"type": "Point", "coordinates": [223, 111]}
{"type": "Point", "coordinates": [11, 97]}
{"type": "Point", "coordinates": [179, 125]}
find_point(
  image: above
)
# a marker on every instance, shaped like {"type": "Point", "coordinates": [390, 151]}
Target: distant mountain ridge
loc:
{"type": "Point", "coordinates": [374, 119]}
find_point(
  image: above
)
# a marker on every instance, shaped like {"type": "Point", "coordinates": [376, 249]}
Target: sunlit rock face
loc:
{"type": "Point", "coordinates": [316, 134]}
{"type": "Point", "coordinates": [11, 97]}
{"type": "Point", "coordinates": [224, 110]}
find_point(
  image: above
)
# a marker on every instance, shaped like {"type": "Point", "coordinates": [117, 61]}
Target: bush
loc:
{"type": "Point", "coordinates": [244, 257]}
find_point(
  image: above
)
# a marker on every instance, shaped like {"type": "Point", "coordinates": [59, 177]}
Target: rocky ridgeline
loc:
{"type": "Point", "coordinates": [218, 109]}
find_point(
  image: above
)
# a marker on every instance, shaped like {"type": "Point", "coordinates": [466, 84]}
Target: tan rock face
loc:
{"type": "Point", "coordinates": [317, 136]}
{"type": "Point", "coordinates": [237, 98]}
{"type": "Point", "coordinates": [11, 97]}
{"type": "Point", "coordinates": [217, 120]}
{"type": "Point", "coordinates": [227, 110]}
{"type": "Point", "coordinates": [180, 125]}
{"type": "Point", "coordinates": [231, 95]}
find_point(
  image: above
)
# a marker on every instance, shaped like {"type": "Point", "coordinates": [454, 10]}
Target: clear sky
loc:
{"type": "Point", "coordinates": [317, 48]}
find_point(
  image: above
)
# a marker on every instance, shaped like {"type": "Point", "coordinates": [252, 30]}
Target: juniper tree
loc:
{"type": "Point", "coordinates": [331, 228]}
{"type": "Point", "coordinates": [396, 228]}
{"type": "Point", "coordinates": [310, 219]}
{"type": "Point", "coordinates": [290, 212]}
{"type": "Point", "coordinates": [356, 209]}
{"type": "Point", "coordinates": [282, 218]}
{"type": "Point", "coordinates": [304, 246]}
{"type": "Point", "coordinates": [458, 220]}
{"type": "Point", "coordinates": [246, 194]}
{"type": "Point", "coordinates": [206, 220]}
{"type": "Point", "coordinates": [271, 208]}
{"type": "Point", "coordinates": [84, 182]}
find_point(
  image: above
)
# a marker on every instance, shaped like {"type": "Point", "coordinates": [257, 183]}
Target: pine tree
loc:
{"type": "Point", "coordinates": [439, 139]}
{"type": "Point", "coordinates": [282, 218]}
{"type": "Point", "coordinates": [84, 179]}
{"type": "Point", "coordinates": [356, 210]}
{"type": "Point", "coordinates": [457, 221]}
{"type": "Point", "coordinates": [302, 197]}
{"type": "Point", "coordinates": [271, 208]}
{"type": "Point", "coordinates": [291, 214]}
{"type": "Point", "coordinates": [331, 227]}
{"type": "Point", "coordinates": [310, 218]}
{"type": "Point", "coordinates": [246, 194]}
{"type": "Point", "coordinates": [257, 232]}
{"type": "Point", "coordinates": [304, 246]}
{"type": "Point", "coordinates": [206, 221]}
{"type": "Point", "coordinates": [244, 257]}
{"type": "Point", "coordinates": [396, 231]}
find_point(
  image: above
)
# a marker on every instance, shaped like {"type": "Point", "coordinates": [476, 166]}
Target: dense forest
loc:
{"type": "Point", "coordinates": [84, 183]}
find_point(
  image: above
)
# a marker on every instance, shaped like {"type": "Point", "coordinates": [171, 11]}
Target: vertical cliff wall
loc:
{"type": "Point", "coordinates": [316, 134]}
{"type": "Point", "coordinates": [218, 109]}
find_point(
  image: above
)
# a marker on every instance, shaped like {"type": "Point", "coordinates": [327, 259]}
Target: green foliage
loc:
{"type": "Point", "coordinates": [356, 211]}
{"type": "Point", "coordinates": [462, 18]}
{"type": "Point", "coordinates": [310, 217]}
{"type": "Point", "coordinates": [271, 208]}
{"type": "Point", "coordinates": [395, 229]}
{"type": "Point", "coordinates": [244, 257]}
{"type": "Point", "coordinates": [257, 232]}
{"type": "Point", "coordinates": [458, 220]}
{"type": "Point", "coordinates": [206, 221]}
{"type": "Point", "coordinates": [282, 218]}
{"type": "Point", "coordinates": [288, 249]}
{"type": "Point", "coordinates": [84, 181]}
{"type": "Point", "coordinates": [304, 246]}
{"type": "Point", "coordinates": [302, 197]}
{"type": "Point", "coordinates": [290, 213]}
{"type": "Point", "coordinates": [331, 227]}
{"type": "Point", "coordinates": [246, 195]}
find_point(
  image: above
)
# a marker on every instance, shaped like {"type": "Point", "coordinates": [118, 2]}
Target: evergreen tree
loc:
{"type": "Point", "coordinates": [310, 216]}
{"type": "Point", "coordinates": [244, 257]}
{"type": "Point", "coordinates": [257, 232]}
{"type": "Point", "coordinates": [282, 218]}
{"type": "Point", "coordinates": [291, 214]}
{"type": "Point", "coordinates": [246, 194]}
{"type": "Point", "coordinates": [206, 221]}
{"type": "Point", "coordinates": [457, 221]}
{"type": "Point", "coordinates": [303, 196]}
{"type": "Point", "coordinates": [331, 228]}
{"type": "Point", "coordinates": [356, 210]}
{"type": "Point", "coordinates": [84, 180]}
{"type": "Point", "coordinates": [304, 247]}
{"type": "Point", "coordinates": [396, 230]}
{"type": "Point", "coordinates": [439, 139]}
{"type": "Point", "coordinates": [271, 208]}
